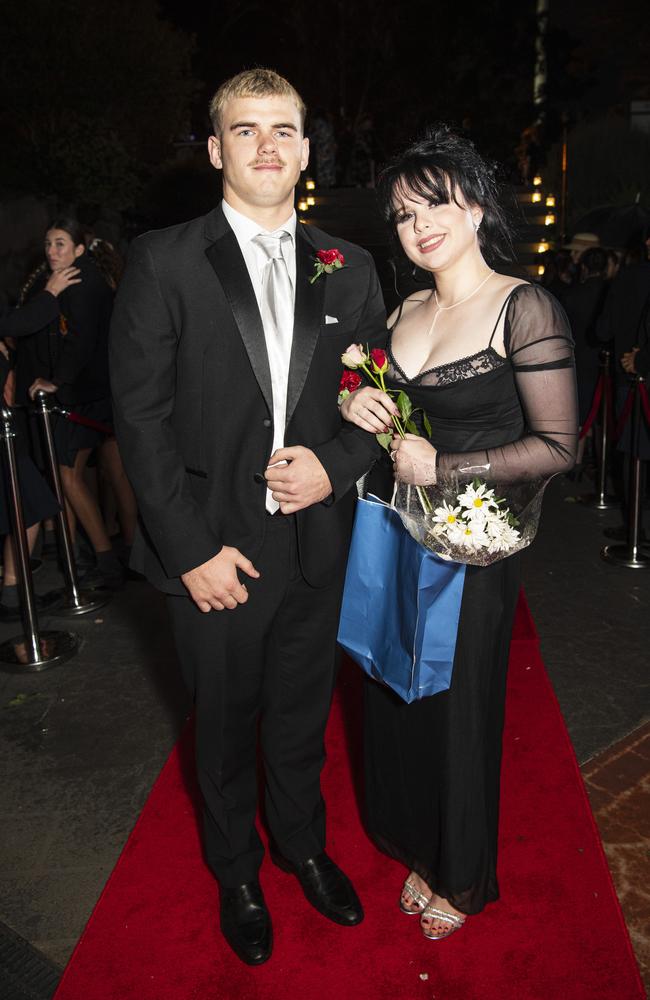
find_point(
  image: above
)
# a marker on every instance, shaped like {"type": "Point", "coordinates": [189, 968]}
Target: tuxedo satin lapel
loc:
{"type": "Point", "coordinates": [308, 314]}
{"type": "Point", "coordinates": [230, 268]}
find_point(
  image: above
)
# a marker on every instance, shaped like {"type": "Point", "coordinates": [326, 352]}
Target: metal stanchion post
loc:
{"type": "Point", "coordinates": [630, 554]}
{"type": "Point", "coordinates": [76, 601]}
{"type": "Point", "coordinates": [35, 650]}
{"type": "Point", "coordinates": [601, 500]}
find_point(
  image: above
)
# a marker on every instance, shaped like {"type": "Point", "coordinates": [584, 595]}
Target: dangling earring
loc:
{"type": "Point", "coordinates": [476, 226]}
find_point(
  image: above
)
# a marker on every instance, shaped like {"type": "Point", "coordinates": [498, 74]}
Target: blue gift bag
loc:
{"type": "Point", "coordinates": [401, 605]}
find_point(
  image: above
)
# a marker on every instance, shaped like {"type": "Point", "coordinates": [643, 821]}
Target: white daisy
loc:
{"type": "Point", "coordinates": [446, 514]}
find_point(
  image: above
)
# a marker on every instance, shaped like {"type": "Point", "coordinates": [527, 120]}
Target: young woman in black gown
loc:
{"type": "Point", "coordinates": [489, 358]}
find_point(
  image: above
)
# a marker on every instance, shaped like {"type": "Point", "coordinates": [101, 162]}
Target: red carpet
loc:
{"type": "Point", "coordinates": [556, 933]}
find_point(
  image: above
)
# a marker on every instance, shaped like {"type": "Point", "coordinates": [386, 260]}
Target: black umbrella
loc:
{"type": "Point", "coordinates": [618, 227]}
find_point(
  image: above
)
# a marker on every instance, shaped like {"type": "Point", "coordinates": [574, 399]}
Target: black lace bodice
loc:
{"type": "Point", "coordinates": [453, 371]}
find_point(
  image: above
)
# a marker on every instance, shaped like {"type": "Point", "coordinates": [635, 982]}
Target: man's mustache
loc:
{"type": "Point", "coordinates": [268, 163]}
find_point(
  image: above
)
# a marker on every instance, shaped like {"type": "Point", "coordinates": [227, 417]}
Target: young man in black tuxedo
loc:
{"type": "Point", "coordinates": [225, 363]}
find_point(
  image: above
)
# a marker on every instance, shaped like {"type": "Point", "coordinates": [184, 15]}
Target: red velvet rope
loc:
{"type": "Point", "coordinates": [595, 406]}
{"type": "Point", "coordinates": [95, 425]}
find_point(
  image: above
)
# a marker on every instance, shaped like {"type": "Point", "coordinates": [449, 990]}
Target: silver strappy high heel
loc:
{"type": "Point", "coordinates": [449, 918]}
{"type": "Point", "coordinates": [418, 897]}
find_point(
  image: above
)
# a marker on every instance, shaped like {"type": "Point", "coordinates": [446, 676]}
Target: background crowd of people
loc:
{"type": "Point", "coordinates": [605, 292]}
{"type": "Point", "coordinates": [57, 342]}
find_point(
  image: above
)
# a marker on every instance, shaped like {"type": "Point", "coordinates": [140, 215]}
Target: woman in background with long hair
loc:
{"type": "Point", "coordinates": [70, 358]}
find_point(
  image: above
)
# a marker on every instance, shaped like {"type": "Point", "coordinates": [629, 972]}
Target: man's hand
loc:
{"type": "Point", "coordinates": [214, 585]}
{"type": "Point", "coordinates": [627, 361]}
{"type": "Point", "coordinates": [299, 483]}
{"type": "Point", "coordinates": [41, 385]}
{"type": "Point", "coordinates": [59, 280]}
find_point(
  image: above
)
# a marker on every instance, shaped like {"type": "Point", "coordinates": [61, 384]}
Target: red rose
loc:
{"type": "Point", "coordinates": [379, 359]}
{"type": "Point", "coordinates": [330, 256]}
{"type": "Point", "coordinates": [350, 381]}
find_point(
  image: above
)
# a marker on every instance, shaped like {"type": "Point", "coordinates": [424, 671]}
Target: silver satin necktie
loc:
{"type": "Point", "coordinates": [277, 319]}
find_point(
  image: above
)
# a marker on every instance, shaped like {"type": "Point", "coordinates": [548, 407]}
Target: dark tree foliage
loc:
{"type": "Point", "coordinates": [403, 64]}
{"type": "Point", "coordinates": [92, 95]}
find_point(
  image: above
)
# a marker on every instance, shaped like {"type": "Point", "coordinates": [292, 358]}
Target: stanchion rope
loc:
{"type": "Point", "coordinates": [604, 383]}
{"type": "Point", "coordinates": [77, 418]}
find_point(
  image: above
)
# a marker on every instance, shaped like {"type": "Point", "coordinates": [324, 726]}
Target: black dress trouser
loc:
{"type": "Point", "coordinates": [267, 664]}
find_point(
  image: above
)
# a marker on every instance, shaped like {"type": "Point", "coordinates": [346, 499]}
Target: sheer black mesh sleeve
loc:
{"type": "Point", "coordinates": [540, 348]}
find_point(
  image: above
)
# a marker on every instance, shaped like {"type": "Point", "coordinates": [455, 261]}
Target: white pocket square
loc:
{"type": "Point", "coordinates": [330, 319]}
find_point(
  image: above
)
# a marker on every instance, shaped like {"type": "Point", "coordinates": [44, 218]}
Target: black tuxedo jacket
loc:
{"type": "Point", "coordinates": [192, 395]}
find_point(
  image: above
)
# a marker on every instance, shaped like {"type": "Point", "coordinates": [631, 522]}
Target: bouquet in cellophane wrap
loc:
{"type": "Point", "coordinates": [470, 518]}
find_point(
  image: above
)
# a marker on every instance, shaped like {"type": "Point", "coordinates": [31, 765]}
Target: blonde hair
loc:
{"type": "Point", "coordinates": [253, 83]}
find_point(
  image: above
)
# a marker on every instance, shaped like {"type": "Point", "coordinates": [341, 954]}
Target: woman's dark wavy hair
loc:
{"type": "Point", "coordinates": [75, 230]}
{"type": "Point", "coordinates": [38, 276]}
{"type": "Point", "coordinates": [102, 253]}
{"type": "Point", "coordinates": [438, 167]}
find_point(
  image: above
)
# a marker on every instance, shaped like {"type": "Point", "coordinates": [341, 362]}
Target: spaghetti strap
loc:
{"type": "Point", "coordinates": [502, 309]}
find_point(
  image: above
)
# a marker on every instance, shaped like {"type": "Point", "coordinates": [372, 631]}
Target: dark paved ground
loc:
{"type": "Point", "coordinates": [594, 622]}
{"type": "Point", "coordinates": [80, 748]}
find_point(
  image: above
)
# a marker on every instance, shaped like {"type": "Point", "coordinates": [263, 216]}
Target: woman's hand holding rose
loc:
{"type": "Point", "coordinates": [370, 409]}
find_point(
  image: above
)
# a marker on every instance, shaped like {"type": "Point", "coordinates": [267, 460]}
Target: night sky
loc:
{"type": "Point", "coordinates": [417, 61]}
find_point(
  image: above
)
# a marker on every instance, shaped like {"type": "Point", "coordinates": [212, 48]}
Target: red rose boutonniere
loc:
{"type": "Point", "coordinates": [326, 262]}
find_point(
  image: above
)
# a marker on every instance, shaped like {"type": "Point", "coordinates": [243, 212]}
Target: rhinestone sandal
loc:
{"type": "Point", "coordinates": [448, 918]}
{"type": "Point", "coordinates": [418, 898]}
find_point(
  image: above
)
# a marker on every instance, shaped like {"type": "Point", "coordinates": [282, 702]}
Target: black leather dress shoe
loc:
{"type": "Point", "coordinates": [327, 888]}
{"type": "Point", "coordinates": [246, 924]}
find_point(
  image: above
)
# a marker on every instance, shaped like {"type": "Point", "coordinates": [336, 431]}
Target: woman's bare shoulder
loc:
{"type": "Point", "coordinates": [410, 304]}
{"type": "Point", "coordinates": [506, 283]}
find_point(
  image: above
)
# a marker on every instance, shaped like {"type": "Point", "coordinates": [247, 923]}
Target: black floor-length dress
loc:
{"type": "Point", "coordinates": [432, 767]}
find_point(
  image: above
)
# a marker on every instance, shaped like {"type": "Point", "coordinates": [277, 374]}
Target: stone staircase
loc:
{"type": "Point", "coordinates": [353, 214]}
{"type": "Point", "coordinates": [534, 234]}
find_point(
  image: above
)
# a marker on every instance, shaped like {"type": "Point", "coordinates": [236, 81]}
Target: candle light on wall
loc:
{"type": "Point", "coordinates": [537, 180]}
{"type": "Point", "coordinates": [302, 205]}
{"type": "Point", "coordinates": [540, 270]}
{"type": "Point", "coordinates": [310, 185]}
{"type": "Point", "coordinates": [542, 247]}
{"type": "Point", "coordinates": [537, 196]}
{"type": "Point", "coordinates": [311, 201]}
{"type": "Point", "coordinates": [550, 201]}
{"type": "Point", "coordinates": [549, 220]}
